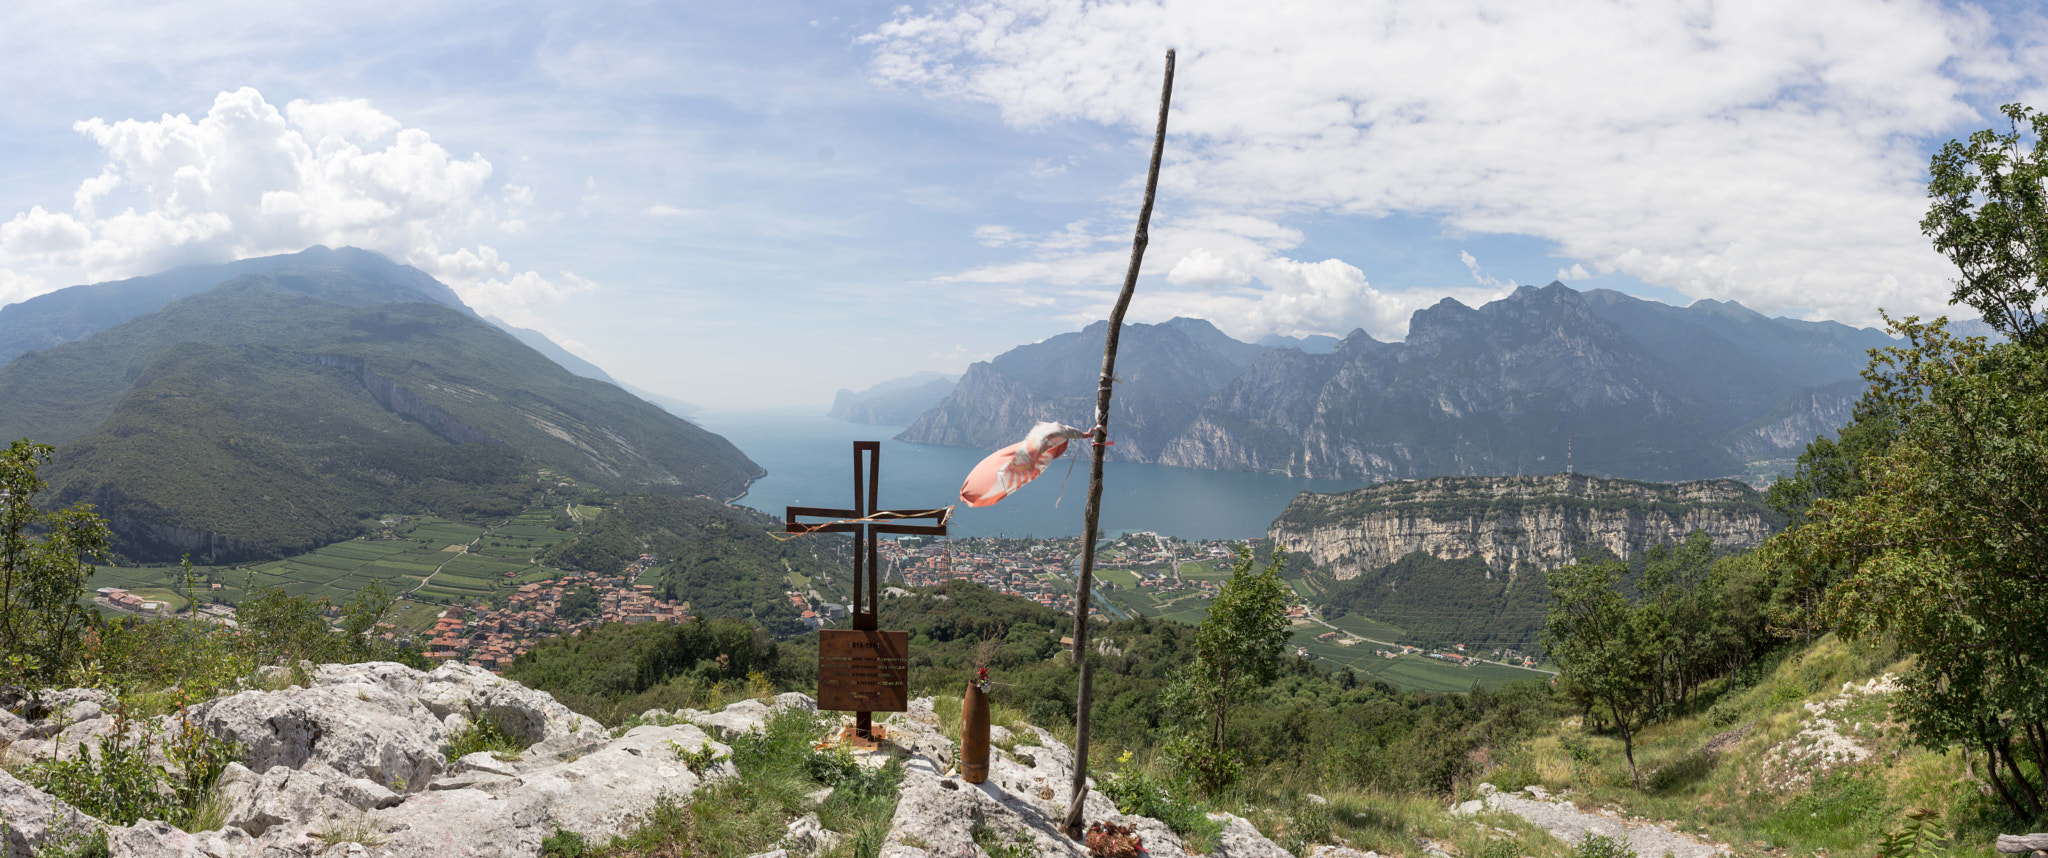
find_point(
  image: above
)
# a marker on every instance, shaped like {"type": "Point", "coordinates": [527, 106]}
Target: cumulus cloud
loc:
{"type": "Point", "coordinates": [1253, 294]}
{"type": "Point", "coordinates": [247, 179]}
{"type": "Point", "coordinates": [15, 286]}
{"type": "Point", "coordinates": [1761, 151]}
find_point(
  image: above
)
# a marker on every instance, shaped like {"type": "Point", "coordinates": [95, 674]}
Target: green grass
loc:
{"type": "Point", "coordinates": [1366, 627]}
{"type": "Point", "coordinates": [1120, 577]}
{"type": "Point", "coordinates": [1737, 797]}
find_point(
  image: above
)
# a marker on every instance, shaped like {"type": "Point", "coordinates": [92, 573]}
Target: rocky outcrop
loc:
{"type": "Point", "coordinates": [1022, 803]}
{"type": "Point", "coordinates": [34, 820]}
{"type": "Point", "coordinates": [354, 763]}
{"type": "Point", "coordinates": [404, 402]}
{"type": "Point", "coordinates": [1544, 521]}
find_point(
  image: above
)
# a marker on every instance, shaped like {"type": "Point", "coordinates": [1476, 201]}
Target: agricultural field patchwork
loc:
{"type": "Point", "coordinates": [430, 562]}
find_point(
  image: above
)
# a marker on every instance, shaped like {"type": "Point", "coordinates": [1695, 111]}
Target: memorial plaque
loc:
{"type": "Point", "coordinates": [863, 671]}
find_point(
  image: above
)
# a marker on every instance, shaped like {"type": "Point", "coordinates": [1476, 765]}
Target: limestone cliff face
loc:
{"type": "Point", "coordinates": [1803, 416]}
{"type": "Point", "coordinates": [1545, 521]}
{"type": "Point", "coordinates": [1165, 372]}
{"type": "Point", "coordinates": [1634, 388]}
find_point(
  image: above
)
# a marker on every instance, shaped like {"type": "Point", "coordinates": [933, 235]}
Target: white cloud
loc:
{"type": "Point", "coordinates": [36, 233]}
{"type": "Point", "coordinates": [15, 286]}
{"type": "Point", "coordinates": [1576, 272]}
{"type": "Point", "coordinates": [666, 210]}
{"type": "Point", "coordinates": [1479, 275]}
{"type": "Point", "coordinates": [1295, 298]}
{"type": "Point", "coordinates": [248, 180]}
{"type": "Point", "coordinates": [353, 121]}
{"type": "Point", "coordinates": [1754, 150]}
{"type": "Point", "coordinates": [516, 298]}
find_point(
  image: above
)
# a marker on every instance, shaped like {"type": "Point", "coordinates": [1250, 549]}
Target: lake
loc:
{"type": "Point", "coordinates": [810, 463]}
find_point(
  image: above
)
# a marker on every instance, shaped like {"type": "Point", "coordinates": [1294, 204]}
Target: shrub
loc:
{"type": "Point", "coordinates": [1602, 846]}
{"type": "Point", "coordinates": [484, 735]}
{"type": "Point", "coordinates": [1137, 792]}
{"type": "Point", "coordinates": [563, 844]}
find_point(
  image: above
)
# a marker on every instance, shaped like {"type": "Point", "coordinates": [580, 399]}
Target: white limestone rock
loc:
{"type": "Point", "coordinates": [532, 718]}
{"type": "Point", "coordinates": [35, 819]}
{"type": "Point", "coordinates": [297, 798]}
{"type": "Point", "coordinates": [1241, 840]}
{"type": "Point", "coordinates": [365, 729]}
{"type": "Point", "coordinates": [599, 795]}
{"type": "Point", "coordinates": [808, 836]}
{"type": "Point", "coordinates": [150, 838]}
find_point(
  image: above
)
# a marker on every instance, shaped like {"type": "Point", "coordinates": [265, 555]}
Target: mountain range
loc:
{"type": "Point", "coordinates": [1618, 385]}
{"type": "Point", "coordinates": [271, 405]}
{"type": "Point", "coordinates": [895, 402]}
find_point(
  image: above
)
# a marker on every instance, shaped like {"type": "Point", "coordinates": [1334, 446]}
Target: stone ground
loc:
{"type": "Point", "coordinates": [353, 764]}
{"type": "Point", "coordinates": [1566, 822]}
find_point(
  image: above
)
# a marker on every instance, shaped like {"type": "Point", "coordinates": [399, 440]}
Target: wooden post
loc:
{"type": "Point", "coordinates": [1084, 594]}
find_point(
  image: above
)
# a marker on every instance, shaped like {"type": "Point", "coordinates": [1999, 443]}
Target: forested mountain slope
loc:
{"type": "Point", "coordinates": [271, 413]}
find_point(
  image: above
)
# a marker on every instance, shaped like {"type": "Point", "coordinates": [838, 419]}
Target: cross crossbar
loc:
{"type": "Point", "coordinates": [865, 667]}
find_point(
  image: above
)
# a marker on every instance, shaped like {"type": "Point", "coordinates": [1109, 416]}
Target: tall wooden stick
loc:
{"type": "Point", "coordinates": [1084, 595]}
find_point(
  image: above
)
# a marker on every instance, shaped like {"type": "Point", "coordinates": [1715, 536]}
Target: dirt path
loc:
{"type": "Point", "coordinates": [1571, 825]}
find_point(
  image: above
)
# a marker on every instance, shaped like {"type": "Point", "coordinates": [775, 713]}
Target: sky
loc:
{"type": "Point", "coordinates": [752, 205]}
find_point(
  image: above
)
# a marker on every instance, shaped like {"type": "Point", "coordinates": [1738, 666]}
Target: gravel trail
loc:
{"type": "Point", "coordinates": [1571, 825]}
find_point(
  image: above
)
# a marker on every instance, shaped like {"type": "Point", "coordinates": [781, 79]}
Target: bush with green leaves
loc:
{"type": "Point", "coordinates": [46, 558]}
{"type": "Point", "coordinates": [484, 734]}
{"type": "Point", "coordinates": [1139, 793]}
{"type": "Point", "coordinates": [1602, 846]}
{"type": "Point", "coordinates": [118, 783]}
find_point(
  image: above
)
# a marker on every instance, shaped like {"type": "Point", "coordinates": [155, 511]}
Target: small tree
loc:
{"type": "Point", "coordinates": [1987, 216]}
{"type": "Point", "coordinates": [1605, 648]}
{"type": "Point", "coordinates": [1237, 651]}
{"type": "Point", "coordinates": [45, 560]}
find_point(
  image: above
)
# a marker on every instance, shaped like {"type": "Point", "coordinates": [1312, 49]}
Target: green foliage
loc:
{"type": "Point", "coordinates": [579, 602]}
{"type": "Point", "coordinates": [1987, 216]}
{"type": "Point", "coordinates": [1838, 804]}
{"type": "Point", "coordinates": [483, 735]}
{"type": "Point", "coordinates": [1602, 846]}
{"type": "Point", "coordinates": [563, 844]}
{"type": "Point", "coordinates": [248, 413]}
{"type": "Point", "coordinates": [777, 769]}
{"type": "Point", "coordinates": [1001, 844]}
{"type": "Point", "coordinates": [1237, 650]}
{"type": "Point", "coordinates": [699, 761]}
{"type": "Point", "coordinates": [1603, 646]}
{"type": "Point", "coordinates": [720, 559]}
{"type": "Point", "coordinates": [1138, 792]}
{"type": "Point", "coordinates": [1919, 835]}
{"type": "Point", "coordinates": [282, 629]}
{"type": "Point", "coordinates": [118, 783]}
{"type": "Point", "coordinates": [1440, 601]}
{"type": "Point", "coordinates": [45, 560]}
{"type": "Point", "coordinates": [1945, 548]}
{"type": "Point", "coordinates": [618, 670]}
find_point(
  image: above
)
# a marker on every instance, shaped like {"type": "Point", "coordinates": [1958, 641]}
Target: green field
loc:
{"type": "Point", "coordinates": [1120, 577]}
{"type": "Point", "coordinates": [1416, 672]}
{"type": "Point", "coordinates": [473, 562]}
{"type": "Point", "coordinates": [1367, 627]}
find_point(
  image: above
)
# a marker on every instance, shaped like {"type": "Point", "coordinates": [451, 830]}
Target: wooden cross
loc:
{"type": "Point", "coordinates": [864, 669]}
